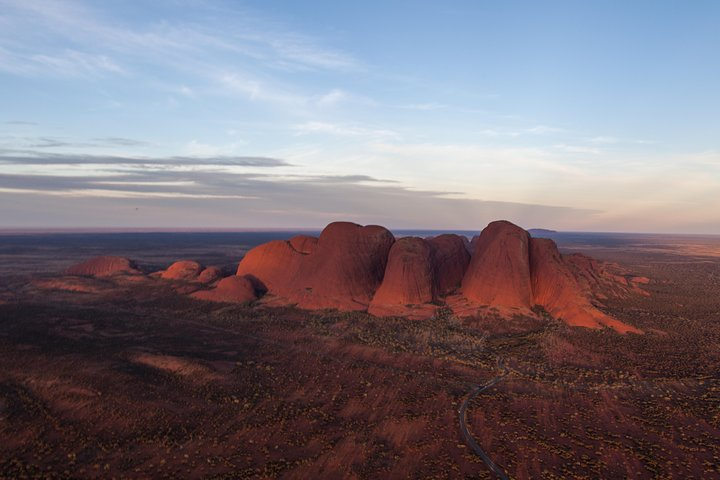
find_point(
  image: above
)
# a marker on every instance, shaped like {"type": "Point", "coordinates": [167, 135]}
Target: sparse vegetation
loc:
{"type": "Point", "coordinates": [134, 381]}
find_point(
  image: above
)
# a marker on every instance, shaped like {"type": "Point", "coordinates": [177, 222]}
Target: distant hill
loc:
{"type": "Point", "coordinates": [539, 232]}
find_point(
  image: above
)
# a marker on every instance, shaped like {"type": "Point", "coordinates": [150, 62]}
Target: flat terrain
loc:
{"type": "Point", "coordinates": [130, 379]}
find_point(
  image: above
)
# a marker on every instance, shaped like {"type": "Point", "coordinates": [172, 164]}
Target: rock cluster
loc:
{"type": "Point", "coordinates": [350, 267]}
{"type": "Point", "coordinates": [105, 266]}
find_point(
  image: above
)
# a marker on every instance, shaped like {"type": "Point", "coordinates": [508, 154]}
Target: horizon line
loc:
{"type": "Point", "coordinates": [112, 230]}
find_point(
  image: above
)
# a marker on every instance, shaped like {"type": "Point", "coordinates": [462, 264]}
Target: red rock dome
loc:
{"type": "Point", "coordinates": [104, 266]}
{"type": "Point", "coordinates": [209, 275]}
{"type": "Point", "coordinates": [233, 289]}
{"type": "Point", "coordinates": [409, 275]}
{"type": "Point", "coordinates": [499, 272]}
{"type": "Point", "coordinates": [273, 266]}
{"type": "Point", "coordinates": [183, 270]}
{"type": "Point", "coordinates": [345, 269]}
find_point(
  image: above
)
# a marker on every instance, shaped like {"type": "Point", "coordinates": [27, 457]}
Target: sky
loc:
{"type": "Point", "coordinates": [576, 116]}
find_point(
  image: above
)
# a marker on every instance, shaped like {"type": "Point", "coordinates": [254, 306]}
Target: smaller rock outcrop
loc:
{"type": "Point", "coordinates": [183, 270]}
{"type": "Point", "coordinates": [104, 266]}
{"type": "Point", "coordinates": [209, 275]}
{"type": "Point", "coordinates": [272, 266]}
{"type": "Point", "coordinates": [558, 291]}
{"type": "Point", "coordinates": [232, 289]}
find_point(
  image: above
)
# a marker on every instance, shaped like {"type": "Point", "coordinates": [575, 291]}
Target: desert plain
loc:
{"type": "Point", "coordinates": [127, 377]}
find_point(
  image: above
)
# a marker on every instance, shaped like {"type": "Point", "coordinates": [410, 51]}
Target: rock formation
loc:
{"type": "Point", "coordinates": [450, 260]}
{"type": "Point", "coordinates": [609, 278]}
{"type": "Point", "coordinates": [209, 275]}
{"type": "Point", "coordinates": [558, 291]}
{"type": "Point", "coordinates": [104, 267]}
{"type": "Point", "coordinates": [273, 266]}
{"type": "Point", "coordinates": [499, 272]}
{"type": "Point", "coordinates": [232, 289]}
{"type": "Point", "coordinates": [409, 278]}
{"type": "Point", "coordinates": [183, 270]}
{"type": "Point", "coordinates": [345, 269]}
{"type": "Point", "coordinates": [351, 267]}
{"type": "Point", "coordinates": [304, 244]}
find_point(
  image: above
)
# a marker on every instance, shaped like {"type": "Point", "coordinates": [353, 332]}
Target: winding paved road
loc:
{"type": "Point", "coordinates": [462, 412]}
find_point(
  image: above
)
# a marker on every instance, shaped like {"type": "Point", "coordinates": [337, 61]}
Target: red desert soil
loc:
{"type": "Point", "coordinates": [136, 380]}
{"type": "Point", "coordinates": [104, 266]}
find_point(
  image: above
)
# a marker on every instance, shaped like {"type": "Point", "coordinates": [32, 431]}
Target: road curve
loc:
{"type": "Point", "coordinates": [462, 413]}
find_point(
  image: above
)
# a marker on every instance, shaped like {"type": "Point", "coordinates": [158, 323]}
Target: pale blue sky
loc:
{"type": "Point", "coordinates": [599, 115]}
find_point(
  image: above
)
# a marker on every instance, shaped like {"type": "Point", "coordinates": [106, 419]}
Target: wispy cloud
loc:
{"type": "Point", "coordinates": [121, 142]}
{"type": "Point", "coordinates": [22, 143]}
{"type": "Point", "coordinates": [534, 130]}
{"type": "Point", "coordinates": [577, 149]}
{"type": "Point", "coordinates": [219, 199]}
{"type": "Point", "coordinates": [316, 127]}
{"type": "Point", "coordinates": [29, 157]}
{"type": "Point", "coordinates": [100, 44]}
{"type": "Point", "coordinates": [21, 123]}
{"type": "Point", "coordinates": [603, 140]}
{"type": "Point", "coordinates": [423, 106]}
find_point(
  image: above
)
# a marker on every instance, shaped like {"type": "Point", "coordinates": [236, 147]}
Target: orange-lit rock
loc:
{"type": "Point", "coordinates": [104, 266]}
{"type": "Point", "coordinates": [409, 276]}
{"type": "Point", "coordinates": [232, 289]}
{"type": "Point", "coordinates": [345, 269]}
{"type": "Point", "coordinates": [558, 291]}
{"type": "Point", "coordinates": [304, 244]}
{"type": "Point", "coordinates": [499, 271]}
{"type": "Point", "coordinates": [209, 275]}
{"type": "Point", "coordinates": [351, 267]}
{"type": "Point", "coordinates": [183, 270]}
{"type": "Point", "coordinates": [273, 266]}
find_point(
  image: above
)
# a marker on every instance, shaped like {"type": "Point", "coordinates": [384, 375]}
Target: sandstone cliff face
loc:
{"type": "Point", "coordinates": [499, 272]}
{"type": "Point", "coordinates": [104, 267]}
